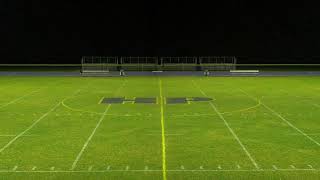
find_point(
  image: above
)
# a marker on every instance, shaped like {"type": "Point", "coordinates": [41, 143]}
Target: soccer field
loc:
{"type": "Point", "coordinates": [251, 128]}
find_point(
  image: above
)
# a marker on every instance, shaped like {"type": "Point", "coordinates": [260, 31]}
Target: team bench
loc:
{"type": "Point", "coordinates": [244, 72]}
{"type": "Point", "coordinates": [95, 73]}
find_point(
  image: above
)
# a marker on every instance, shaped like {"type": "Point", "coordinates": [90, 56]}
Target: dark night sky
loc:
{"type": "Point", "coordinates": [41, 31]}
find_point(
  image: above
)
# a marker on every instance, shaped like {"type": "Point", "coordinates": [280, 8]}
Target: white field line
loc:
{"type": "Point", "coordinates": [25, 95]}
{"type": "Point", "coordinates": [316, 105]}
{"type": "Point", "coordinates": [143, 115]}
{"type": "Point", "coordinates": [160, 170]}
{"type": "Point", "coordinates": [230, 129]}
{"type": "Point", "coordinates": [282, 118]}
{"type": "Point", "coordinates": [299, 134]}
{"type": "Point", "coordinates": [90, 168]}
{"type": "Point", "coordinates": [75, 162]}
{"type": "Point", "coordinates": [11, 135]}
{"type": "Point", "coordinates": [169, 134]}
{"type": "Point", "coordinates": [26, 130]}
{"type": "Point", "coordinates": [15, 168]}
{"type": "Point", "coordinates": [19, 98]}
{"type": "Point", "coordinates": [32, 125]}
{"type": "Point", "coordinates": [235, 136]}
{"type": "Point", "coordinates": [275, 167]}
{"type": "Point", "coordinates": [128, 115]}
{"type": "Point", "coordinates": [191, 115]}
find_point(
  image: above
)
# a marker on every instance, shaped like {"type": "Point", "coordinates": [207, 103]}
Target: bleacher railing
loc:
{"type": "Point", "coordinates": [202, 63]}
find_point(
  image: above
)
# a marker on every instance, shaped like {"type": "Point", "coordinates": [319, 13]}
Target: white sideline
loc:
{"type": "Point", "coordinates": [282, 118]}
{"type": "Point", "coordinates": [17, 99]}
{"type": "Point", "coordinates": [32, 125]}
{"type": "Point", "coordinates": [230, 129]}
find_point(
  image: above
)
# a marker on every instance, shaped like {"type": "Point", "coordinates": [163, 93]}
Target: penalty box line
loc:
{"type": "Point", "coordinates": [33, 124]}
{"type": "Point", "coordinates": [229, 128]}
{"type": "Point", "coordinates": [75, 162]}
{"type": "Point", "coordinates": [282, 118]}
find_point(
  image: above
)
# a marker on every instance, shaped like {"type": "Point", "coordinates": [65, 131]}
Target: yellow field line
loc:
{"type": "Point", "coordinates": [164, 168]}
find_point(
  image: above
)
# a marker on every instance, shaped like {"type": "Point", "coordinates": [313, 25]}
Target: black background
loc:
{"type": "Point", "coordinates": [40, 31]}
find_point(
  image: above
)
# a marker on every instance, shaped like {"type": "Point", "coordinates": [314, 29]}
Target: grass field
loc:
{"type": "Point", "coordinates": [255, 128]}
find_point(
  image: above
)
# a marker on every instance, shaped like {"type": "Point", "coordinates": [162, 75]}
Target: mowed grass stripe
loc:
{"type": "Point", "coordinates": [160, 170]}
{"type": "Point", "coordinates": [282, 118]}
{"type": "Point", "coordinates": [19, 98]}
{"type": "Point", "coordinates": [26, 95]}
{"type": "Point", "coordinates": [268, 138]}
{"type": "Point", "coordinates": [33, 124]}
{"type": "Point", "coordinates": [74, 164]}
{"type": "Point", "coordinates": [47, 152]}
{"type": "Point", "coordinates": [229, 128]}
{"type": "Point", "coordinates": [89, 138]}
{"type": "Point", "coordinates": [163, 137]}
{"type": "Point", "coordinates": [8, 84]}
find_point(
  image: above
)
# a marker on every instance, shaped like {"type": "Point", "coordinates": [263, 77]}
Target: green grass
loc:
{"type": "Point", "coordinates": [253, 125]}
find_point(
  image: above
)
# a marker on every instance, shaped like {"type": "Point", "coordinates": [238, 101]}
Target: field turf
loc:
{"type": "Point", "coordinates": [254, 128]}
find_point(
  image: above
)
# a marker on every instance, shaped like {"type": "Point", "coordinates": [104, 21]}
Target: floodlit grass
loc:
{"type": "Point", "coordinates": [255, 128]}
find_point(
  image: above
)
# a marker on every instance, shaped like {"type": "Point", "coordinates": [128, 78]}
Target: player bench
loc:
{"type": "Point", "coordinates": [244, 72]}
{"type": "Point", "coordinates": [156, 72]}
{"type": "Point", "coordinates": [95, 73]}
